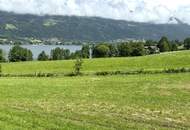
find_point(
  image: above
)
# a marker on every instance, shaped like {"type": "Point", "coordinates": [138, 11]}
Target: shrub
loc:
{"type": "Point", "coordinates": [101, 50]}
{"type": "Point", "coordinates": [78, 66]}
{"type": "Point", "coordinates": [178, 70]}
{"type": "Point", "coordinates": [104, 73]}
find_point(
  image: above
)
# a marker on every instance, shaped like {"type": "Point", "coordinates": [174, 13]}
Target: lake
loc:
{"type": "Point", "coordinates": [37, 49]}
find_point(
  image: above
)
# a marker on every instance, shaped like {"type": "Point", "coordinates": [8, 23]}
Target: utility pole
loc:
{"type": "Point", "coordinates": [90, 51]}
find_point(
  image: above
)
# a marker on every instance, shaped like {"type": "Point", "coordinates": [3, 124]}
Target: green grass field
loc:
{"type": "Point", "coordinates": [114, 102]}
{"type": "Point", "coordinates": [153, 62]}
{"type": "Point", "coordinates": [128, 102]}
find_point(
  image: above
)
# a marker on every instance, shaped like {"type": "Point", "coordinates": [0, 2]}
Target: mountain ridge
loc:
{"type": "Point", "coordinates": [86, 28]}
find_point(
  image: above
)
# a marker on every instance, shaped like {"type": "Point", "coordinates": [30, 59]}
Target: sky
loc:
{"type": "Point", "coordinates": [156, 11]}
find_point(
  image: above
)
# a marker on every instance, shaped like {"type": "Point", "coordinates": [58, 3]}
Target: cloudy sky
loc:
{"type": "Point", "coordinates": [158, 11]}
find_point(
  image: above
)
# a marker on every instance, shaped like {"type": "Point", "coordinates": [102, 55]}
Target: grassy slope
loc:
{"type": "Point", "coordinates": [155, 62]}
{"type": "Point", "coordinates": [115, 102]}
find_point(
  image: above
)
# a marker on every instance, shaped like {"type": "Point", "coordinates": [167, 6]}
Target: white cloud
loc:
{"type": "Point", "coordinates": [158, 11]}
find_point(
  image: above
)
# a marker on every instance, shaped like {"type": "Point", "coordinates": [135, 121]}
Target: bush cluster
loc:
{"type": "Point", "coordinates": [103, 73]}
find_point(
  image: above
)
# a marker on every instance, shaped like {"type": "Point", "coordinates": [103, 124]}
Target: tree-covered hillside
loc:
{"type": "Point", "coordinates": [85, 28]}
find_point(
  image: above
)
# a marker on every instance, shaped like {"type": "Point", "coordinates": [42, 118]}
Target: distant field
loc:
{"type": "Point", "coordinates": [153, 62]}
{"type": "Point", "coordinates": [160, 101]}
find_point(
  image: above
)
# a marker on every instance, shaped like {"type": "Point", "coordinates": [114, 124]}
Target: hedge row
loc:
{"type": "Point", "coordinates": [103, 73]}
{"type": "Point", "coordinates": [142, 71]}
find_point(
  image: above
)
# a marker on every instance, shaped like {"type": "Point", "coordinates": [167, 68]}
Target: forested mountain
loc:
{"type": "Point", "coordinates": [86, 28]}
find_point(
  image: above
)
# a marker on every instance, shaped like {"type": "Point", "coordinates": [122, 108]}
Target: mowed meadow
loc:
{"type": "Point", "coordinates": [117, 102]}
{"type": "Point", "coordinates": [152, 62]}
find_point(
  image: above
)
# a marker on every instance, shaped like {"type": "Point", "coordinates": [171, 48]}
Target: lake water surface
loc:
{"type": "Point", "coordinates": [37, 49]}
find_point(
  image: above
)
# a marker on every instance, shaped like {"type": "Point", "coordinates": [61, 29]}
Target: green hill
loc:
{"type": "Point", "coordinates": [153, 62]}
{"type": "Point", "coordinates": [85, 28]}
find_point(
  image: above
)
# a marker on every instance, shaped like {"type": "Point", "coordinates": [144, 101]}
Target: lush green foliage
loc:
{"type": "Point", "coordinates": [163, 44]}
{"type": "Point", "coordinates": [124, 49]}
{"type": "Point", "coordinates": [187, 43]}
{"type": "Point", "coordinates": [43, 56]}
{"type": "Point", "coordinates": [101, 50]}
{"type": "Point", "coordinates": [173, 47]}
{"type": "Point", "coordinates": [85, 51]}
{"type": "Point", "coordinates": [77, 54]}
{"type": "Point", "coordinates": [18, 53]}
{"type": "Point", "coordinates": [60, 54]}
{"type": "Point", "coordinates": [119, 50]}
{"type": "Point", "coordinates": [137, 49]}
{"type": "Point", "coordinates": [113, 50]}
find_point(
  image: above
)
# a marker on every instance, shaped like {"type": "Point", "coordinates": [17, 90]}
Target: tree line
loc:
{"type": "Point", "coordinates": [17, 53]}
